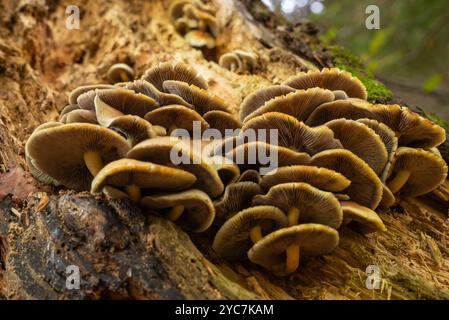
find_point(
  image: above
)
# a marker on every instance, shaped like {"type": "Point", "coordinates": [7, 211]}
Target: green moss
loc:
{"type": "Point", "coordinates": [438, 120]}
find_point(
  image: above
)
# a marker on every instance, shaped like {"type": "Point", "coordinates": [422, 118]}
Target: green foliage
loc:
{"type": "Point", "coordinates": [433, 83]}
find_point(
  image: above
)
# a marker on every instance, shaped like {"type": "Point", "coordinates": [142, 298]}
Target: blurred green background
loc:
{"type": "Point", "coordinates": [409, 53]}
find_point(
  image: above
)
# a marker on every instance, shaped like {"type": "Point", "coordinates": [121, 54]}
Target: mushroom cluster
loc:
{"type": "Point", "coordinates": [339, 158]}
{"type": "Point", "coordinates": [195, 21]}
{"type": "Point", "coordinates": [116, 140]}
{"type": "Point", "coordinates": [239, 61]}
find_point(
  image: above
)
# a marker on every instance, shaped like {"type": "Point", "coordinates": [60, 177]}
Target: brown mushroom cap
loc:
{"type": "Point", "coordinates": [125, 172]}
{"type": "Point", "coordinates": [313, 239]}
{"type": "Point", "coordinates": [315, 206]}
{"type": "Point", "coordinates": [365, 187]}
{"type": "Point", "coordinates": [332, 79]}
{"type": "Point", "coordinates": [178, 72]}
{"type": "Point", "coordinates": [232, 62]}
{"type": "Point", "coordinates": [250, 175]}
{"type": "Point", "coordinates": [207, 21]}
{"type": "Point", "coordinates": [201, 99]}
{"type": "Point", "coordinates": [361, 218]}
{"type": "Point", "coordinates": [340, 95]}
{"type": "Point", "coordinates": [59, 151]}
{"type": "Point", "coordinates": [221, 121]}
{"type": "Point", "coordinates": [294, 134]}
{"type": "Point", "coordinates": [259, 97]}
{"type": "Point", "coordinates": [127, 101]}
{"type": "Point", "coordinates": [199, 39]}
{"type": "Point", "coordinates": [164, 99]}
{"type": "Point", "coordinates": [299, 104]}
{"type": "Point", "coordinates": [228, 171]}
{"type": "Point", "coordinates": [176, 116]}
{"type": "Point", "coordinates": [321, 178]}
{"type": "Point", "coordinates": [75, 93]}
{"type": "Point", "coordinates": [425, 172]}
{"type": "Point", "coordinates": [232, 241]}
{"type": "Point", "coordinates": [79, 116]}
{"type": "Point", "coordinates": [198, 212]}
{"type": "Point", "coordinates": [248, 58]}
{"type": "Point", "coordinates": [120, 72]}
{"type": "Point", "coordinates": [159, 150]}
{"type": "Point", "coordinates": [68, 108]}
{"type": "Point", "coordinates": [388, 198]}
{"type": "Point", "coordinates": [362, 141]}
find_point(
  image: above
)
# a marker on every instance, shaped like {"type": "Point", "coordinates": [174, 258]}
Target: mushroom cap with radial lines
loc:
{"type": "Point", "coordinates": [250, 175]}
{"type": "Point", "coordinates": [259, 97]}
{"type": "Point", "coordinates": [79, 116]}
{"type": "Point", "coordinates": [360, 218]}
{"type": "Point", "coordinates": [362, 141]}
{"type": "Point", "coordinates": [332, 79]}
{"type": "Point", "coordinates": [59, 151]}
{"type": "Point", "coordinates": [228, 171]}
{"type": "Point", "coordinates": [427, 170]}
{"type": "Point", "coordinates": [294, 134]}
{"type": "Point", "coordinates": [198, 212]}
{"type": "Point", "coordinates": [299, 104]}
{"type": "Point", "coordinates": [145, 175]}
{"type": "Point", "coordinates": [119, 70]}
{"type": "Point", "coordinates": [231, 62]}
{"type": "Point", "coordinates": [201, 99]}
{"type": "Point", "coordinates": [160, 149]}
{"type": "Point", "coordinates": [232, 241]}
{"type": "Point", "coordinates": [127, 101]}
{"type": "Point", "coordinates": [315, 206]}
{"type": "Point", "coordinates": [178, 72]}
{"type": "Point", "coordinates": [176, 115]}
{"type": "Point", "coordinates": [221, 121]}
{"type": "Point", "coordinates": [199, 39]}
{"type": "Point", "coordinates": [313, 239]}
{"type": "Point", "coordinates": [365, 187]}
{"type": "Point", "coordinates": [321, 178]}
{"type": "Point", "coordinates": [75, 93]}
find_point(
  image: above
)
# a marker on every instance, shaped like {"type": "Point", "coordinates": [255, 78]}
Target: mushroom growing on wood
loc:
{"type": "Point", "coordinates": [360, 218]}
{"type": "Point", "coordinates": [221, 121]}
{"type": "Point", "coordinates": [120, 72]}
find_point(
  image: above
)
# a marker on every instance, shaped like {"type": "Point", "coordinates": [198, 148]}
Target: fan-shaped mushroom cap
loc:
{"type": "Point", "coordinates": [313, 239]}
{"type": "Point", "coordinates": [75, 93]}
{"type": "Point", "coordinates": [221, 121]}
{"type": "Point", "coordinates": [321, 178]}
{"type": "Point", "coordinates": [146, 175]}
{"type": "Point", "coordinates": [160, 150]}
{"type": "Point", "coordinates": [176, 116]}
{"type": "Point", "coordinates": [340, 95]}
{"type": "Point", "coordinates": [231, 61]}
{"type": "Point", "coordinates": [232, 241]}
{"type": "Point", "coordinates": [250, 175]}
{"type": "Point", "coordinates": [127, 101]}
{"type": "Point", "coordinates": [416, 172]}
{"type": "Point", "coordinates": [201, 99]}
{"type": "Point", "coordinates": [120, 72]}
{"type": "Point", "coordinates": [388, 198]}
{"type": "Point", "coordinates": [361, 218]}
{"type": "Point", "coordinates": [79, 116]}
{"type": "Point", "coordinates": [198, 209]}
{"type": "Point", "coordinates": [365, 187]}
{"type": "Point", "coordinates": [59, 151]}
{"type": "Point", "coordinates": [237, 196]}
{"type": "Point", "coordinates": [362, 141]}
{"type": "Point", "coordinates": [332, 79]}
{"type": "Point", "coordinates": [259, 97]}
{"type": "Point", "coordinates": [251, 155]}
{"type": "Point", "coordinates": [299, 104]}
{"type": "Point", "coordinates": [315, 206]}
{"type": "Point", "coordinates": [68, 108]}
{"type": "Point", "coordinates": [199, 38]}
{"type": "Point", "coordinates": [294, 134]}
{"type": "Point", "coordinates": [164, 99]}
{"type": "Point", "coordinates": [228, 171]}
{"type": "Point", "coordinates": [178, 72]}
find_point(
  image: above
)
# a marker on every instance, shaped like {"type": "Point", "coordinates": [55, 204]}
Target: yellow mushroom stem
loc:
{"type": "Point", "coordinates": [93, 161]}
{"type": "Point", "coordinates": [292, 262]}
{"type": "Point", "coordinates": [133, 192]}
{"type": "Point", "coordinates": [123, 75]}
{"type": "Point", "coordinates": [398, 181]}
{"type": "Point", "coordinates": [255, 233]}
{"type": "Point", "coordinates": [175, 212]}
{"type": "Point", "coordinates": [293, 216]}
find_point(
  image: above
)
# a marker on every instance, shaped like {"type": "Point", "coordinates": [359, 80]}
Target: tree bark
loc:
{"type": "Point", "coordinates": [122, 253]}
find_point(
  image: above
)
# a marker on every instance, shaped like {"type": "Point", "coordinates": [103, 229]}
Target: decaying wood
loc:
{"type": "Point", "coordinates": [122, 253]}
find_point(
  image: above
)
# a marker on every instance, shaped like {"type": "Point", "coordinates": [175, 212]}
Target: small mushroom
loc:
{"type": "Point", "coordinates": [134, 175]}
{"type": "Point", "coordinates": [173, 117]}
{"type": "Point", "coordinates": [184, 25]}
{"type": "Point", "coordinates": [362, 141]}
{"type": "Point", "coordinates": [201, 99]}
{"type": "Point", "coordinates": [221, 121]}
{"type": "Point", "coordinates": [332, 79]}
{"type": "Point", "coordinates": [176, 9]}
{"type": "Point", "coordinates": [361, 218]}
{"type": "Point", "coordinates": [178, 72]}
{"type": "Point", "coordinates": [67, 109]}
{"type": "Point", "coordinates": [232, 62]}
{"type": "Point", "coordinates": [77, 92]}
{"type": "Point", "coordinates": [321, 178]}
{"type": "Point", "coordinates": [192, 209]}
{"type": "Point", "coordinates": [303, 204]}
{"type": "Point", "coordinates": [79, 116]}
{"type": "Point", "coordinates": [199, 39]}
{"type": "Point", "coordinates": [299, 104]}
{"type": "Point", "coordinates": [416, 172]}
{"type": "Point", "coordinates": [73, 154]}
{"type": "Point", "coordinates": [340, 95]}
{"type": "Point", "coordinates": [280, 251]}
{"type": "Point", "coordinates": [120, 72]}
{"type": "Point", "coordinates": [365, 187]}
{"type": "Point", "coordinates": [249, 59]}
{"type": "Point", "coordinates": [235, 237]}
{"type": "Point", "coordinates": [259, 97]}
